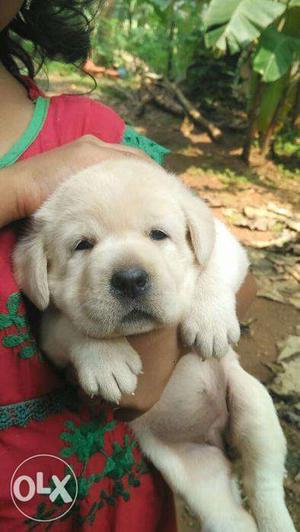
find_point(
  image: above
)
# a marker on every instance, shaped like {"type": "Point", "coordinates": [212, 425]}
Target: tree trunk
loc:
{"type": "Point", "coordinates": [275, 120]}
{"type": "Point", "coordinates": [296, 109]}
{"type": "Point", "coordinates": [171, 31]}
{"type": "Point", "coordinates": [268, 134]}
{"type": "Point", "coordinates": [252, 123]}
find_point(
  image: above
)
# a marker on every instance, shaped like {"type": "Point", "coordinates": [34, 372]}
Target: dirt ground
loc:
{"type": "Point", "coordinates": [271, 321]}
{"type": "Point", "coordinates": [216, 172]}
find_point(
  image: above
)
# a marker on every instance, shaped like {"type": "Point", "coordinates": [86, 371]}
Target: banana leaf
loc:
{"type": "Point", "coordinates": [270, 99]}
{"type": "Point", "coordinates": [233, 24]}
{"type": "Point", "coordinates": [275, 54]}
{"type": "Point", "coordinates": [294, 3]}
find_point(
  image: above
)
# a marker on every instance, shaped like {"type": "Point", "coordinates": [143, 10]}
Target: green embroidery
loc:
{"type": "Point", "coordinates": [14, 318]}
{"type": "Point", "coordinates": [43, 513]}
{"type": "Point", "coordinates": [85, 440]}
{"type": "Point", "coordinates": [20, 414]}
{"type": "Point", "coordinates": [82, 442]}
{"type": "Point", "coordinates": [136, 140]}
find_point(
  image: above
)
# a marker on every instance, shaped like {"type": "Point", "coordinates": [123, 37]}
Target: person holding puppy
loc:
{"type": "Point", "coordinates": [42, 142]}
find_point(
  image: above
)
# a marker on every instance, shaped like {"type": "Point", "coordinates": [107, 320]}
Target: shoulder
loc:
{"type": "Point", "coordinates": [81, 115]}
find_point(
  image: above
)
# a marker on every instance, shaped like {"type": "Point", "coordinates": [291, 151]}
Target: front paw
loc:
{"type": "Point", "coordinates": [210, 329]}
{"type": "Point", "coordinates": [109, 372]}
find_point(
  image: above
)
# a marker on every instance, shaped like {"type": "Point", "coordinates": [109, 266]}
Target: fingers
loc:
{"type": "Point", "coordinates": [111, 150]}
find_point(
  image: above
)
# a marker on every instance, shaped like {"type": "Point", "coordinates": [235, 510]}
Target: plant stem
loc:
{"type": "Point", "coordinates": [252, 122]}
{"type": "Point", "coordinates": [171, 32]}
{"type": "Point", "coordinates": [296, 108]}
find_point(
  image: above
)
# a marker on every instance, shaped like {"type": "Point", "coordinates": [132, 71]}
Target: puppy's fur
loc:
{"type": "Point", "coordinates": [115, 211]}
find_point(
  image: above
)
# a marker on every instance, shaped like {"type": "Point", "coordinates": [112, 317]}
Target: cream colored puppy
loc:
{"type": "Point", "coordinates": [123, 248]}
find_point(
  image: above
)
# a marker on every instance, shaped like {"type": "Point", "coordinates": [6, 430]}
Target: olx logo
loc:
{"type": "Point", "coordinates": [46, 482]}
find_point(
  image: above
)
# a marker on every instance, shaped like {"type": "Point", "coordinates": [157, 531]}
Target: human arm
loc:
{"type": "Point", "coordinates": [25, 185]}
{"type": "Point", "coordinates": [168, 349]}
{"type": "Point", "coordinates": [30, 183]}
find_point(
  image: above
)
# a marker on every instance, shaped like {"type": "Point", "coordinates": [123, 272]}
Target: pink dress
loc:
{"type": "Point", "coordinates": [117, 490]}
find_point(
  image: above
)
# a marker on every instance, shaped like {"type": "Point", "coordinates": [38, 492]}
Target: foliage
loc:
{"type": "Point", "coordinates": [287, 142]}
{"type": "Point", "coordinates": [163, 33]}
{"type": "Point", "coordinates": [211, 79]}
{"type": "Point", "coordinates": [269, 31]}
{"type": "Point", "coordinates": [275, 54]}
{"type": "Point", "coordinates": [214, 46]}
{"type": "Point", "coordinates": [235, 24]}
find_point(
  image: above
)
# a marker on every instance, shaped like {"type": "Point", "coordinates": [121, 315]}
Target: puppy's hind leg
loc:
{"type": "Point", "coordinates": [202, 476]}
{"type": "Point", "coordinates": [256, 432]}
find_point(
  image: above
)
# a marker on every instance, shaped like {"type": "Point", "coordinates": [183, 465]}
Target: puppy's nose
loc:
{"type": "Point", "coordinates": [130, 283]}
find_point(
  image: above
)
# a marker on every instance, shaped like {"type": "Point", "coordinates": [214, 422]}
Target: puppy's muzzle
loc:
{"type": "Point", "coordinates": [130, 283]}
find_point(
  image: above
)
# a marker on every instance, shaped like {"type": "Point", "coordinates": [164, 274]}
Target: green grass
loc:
{"type": "Point", "coordinates": [287, 143]}
{"type": "Point", "coordinates": [227, 176]}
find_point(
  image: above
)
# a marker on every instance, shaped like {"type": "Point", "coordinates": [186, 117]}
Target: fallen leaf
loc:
{"type": "Point", "coordinates": [274, 295]}
{"type": "Point", "coordinates": [279, 210]}
{"type": "Point", "coordinates": [285, 237]}
{"type": "Point", "coordinates": [295, 301]}
{"type": "Point", "coordinates": [289, 347]}
{"type": "Point", "coordinates": [287, 383]}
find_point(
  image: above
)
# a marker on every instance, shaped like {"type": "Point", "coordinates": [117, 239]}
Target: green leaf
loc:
{"type": "Point", "coordinates": [161, 4]}
{"type": "Point", "coordinates": [234, 24]}
{"type": "Point", "coordinates": [294, 3]}
{"type": "Point", "coordinates": [275, 54]}
{"type": "Point", "coordinates": [271, 96]}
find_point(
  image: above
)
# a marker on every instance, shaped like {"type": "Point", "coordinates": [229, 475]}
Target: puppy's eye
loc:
{"type": "Point", "coordinates": [157, 234]}
{"type": "Point", "coordinates": [83, 245]}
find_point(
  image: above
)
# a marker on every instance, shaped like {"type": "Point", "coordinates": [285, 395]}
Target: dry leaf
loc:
{"type": "Point", "coordinates": [289, 347]}
{"type": "Point", "coordinates": [287, 382]}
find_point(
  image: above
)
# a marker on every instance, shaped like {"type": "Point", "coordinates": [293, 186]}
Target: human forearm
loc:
{"type": "Point", "coordinates": [160, 350]}
{"type": "Point", "coordinates": [25, 185]}
{"type": "Point", "coordinates": [10, 185]}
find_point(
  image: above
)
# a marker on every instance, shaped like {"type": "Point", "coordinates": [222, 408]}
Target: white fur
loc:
{"type": "Point", "coordinates": [194, 274]}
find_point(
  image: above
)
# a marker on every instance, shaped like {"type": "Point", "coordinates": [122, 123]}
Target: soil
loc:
{"type": "Point", "coordinates": [219, 176]}
{"type": "Point", "coordinates": [270, 321]}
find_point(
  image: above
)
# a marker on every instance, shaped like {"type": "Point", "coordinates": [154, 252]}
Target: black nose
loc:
{"type": "Point", "coordinates": [130, 283]}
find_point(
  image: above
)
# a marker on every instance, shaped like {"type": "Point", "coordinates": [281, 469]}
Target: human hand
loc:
{"type": "Point", "coordinates": [52, 167]}
{"type": "Point", "coordinates": [32, 180]}
{"type": "Point", "coordinates": [160, 351]}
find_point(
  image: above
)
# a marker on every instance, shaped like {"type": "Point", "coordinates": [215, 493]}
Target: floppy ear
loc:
{"type": "Point", "coordinates": [30, 268]}
{"type": "Point", "coordinates": [201, 226]}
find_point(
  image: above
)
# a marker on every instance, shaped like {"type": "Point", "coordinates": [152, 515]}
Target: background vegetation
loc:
{"type": "Point", "coordinates": [244, 54]}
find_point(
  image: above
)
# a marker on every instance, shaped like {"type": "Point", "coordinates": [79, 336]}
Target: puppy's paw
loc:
{"type": "Point", "coordinates": [211, 327]}
{"type": "Point", "coordinates": [108, 370]}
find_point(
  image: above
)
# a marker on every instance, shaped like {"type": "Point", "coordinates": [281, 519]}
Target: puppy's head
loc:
{"type": "Point", "coordinates": [117, 248]}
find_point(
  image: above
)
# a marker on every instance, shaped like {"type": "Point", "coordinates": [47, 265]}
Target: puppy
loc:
{"type": "Point", "coordinates": [123, 248]}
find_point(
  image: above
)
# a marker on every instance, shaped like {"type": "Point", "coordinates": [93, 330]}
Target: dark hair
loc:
{"type": "Point", "coordinates": [58, 29]}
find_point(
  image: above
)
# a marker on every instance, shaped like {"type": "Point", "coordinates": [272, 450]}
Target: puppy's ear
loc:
{"type": "Point", "coordinates": [30, 268]}
{"type": "Point", "coordinates": [200, 225]}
